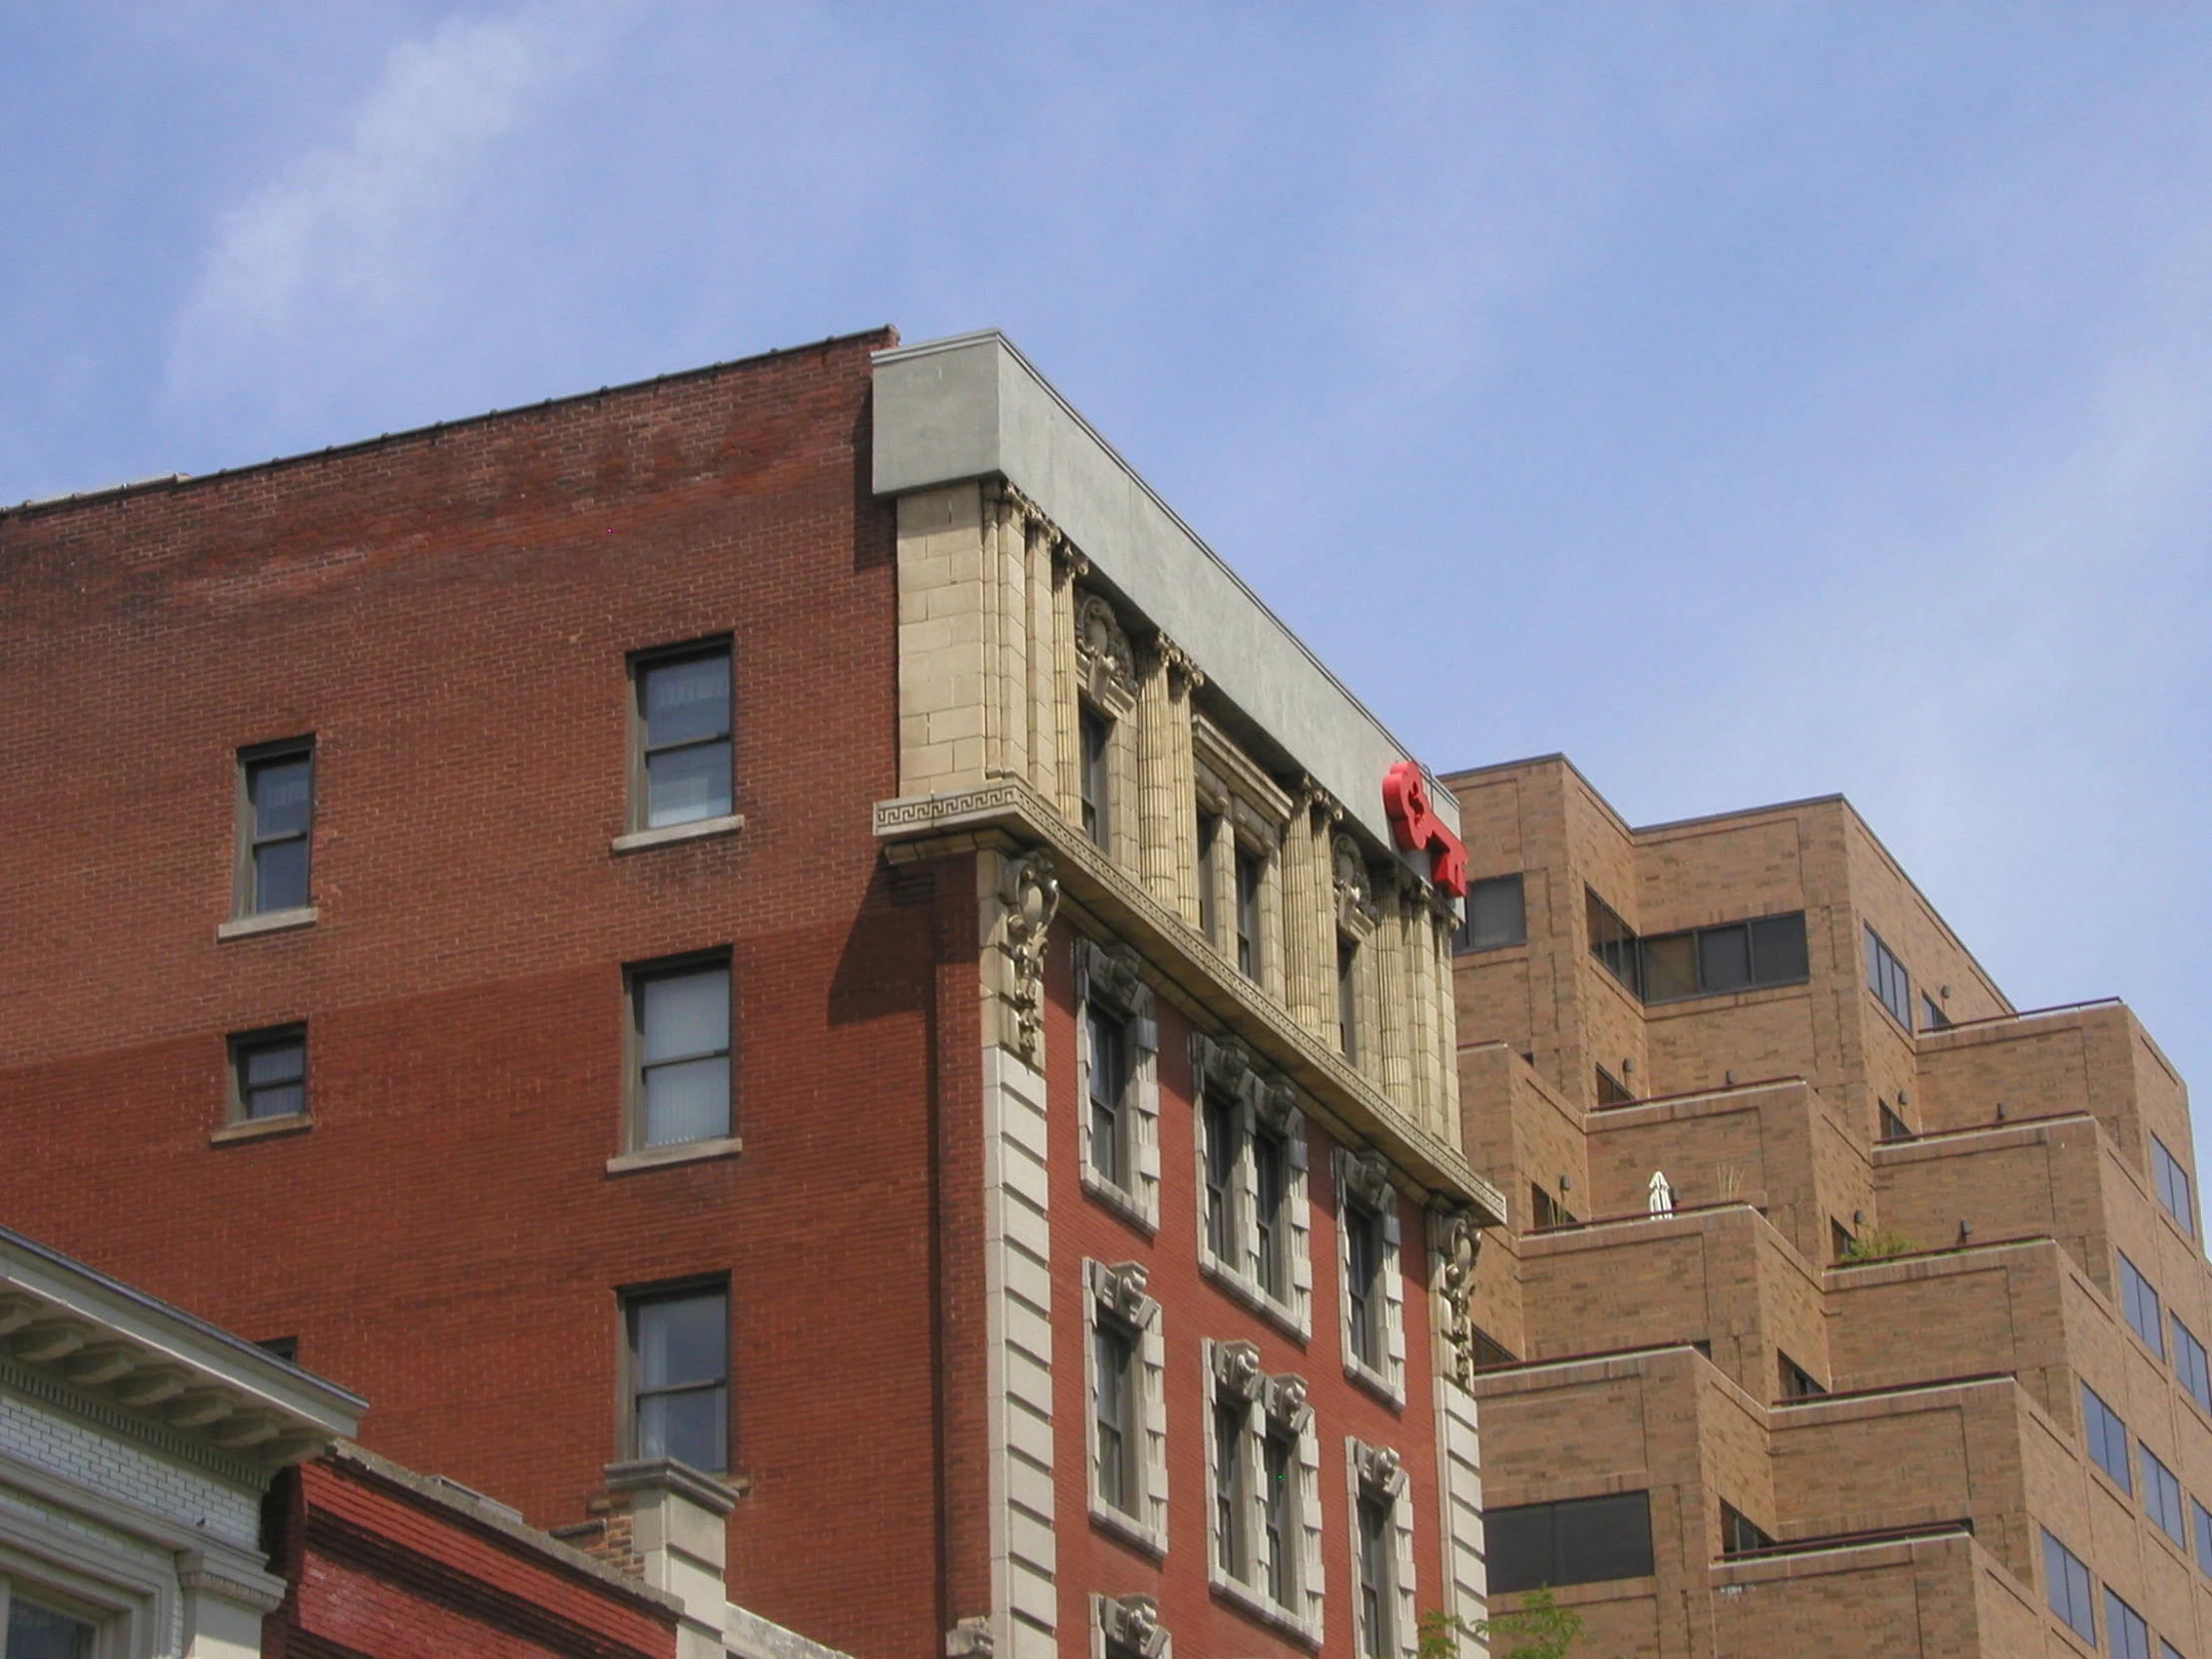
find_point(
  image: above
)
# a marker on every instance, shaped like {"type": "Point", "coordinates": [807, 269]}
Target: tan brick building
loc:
{"type": "Point", "coordinates": [1846, 1309]}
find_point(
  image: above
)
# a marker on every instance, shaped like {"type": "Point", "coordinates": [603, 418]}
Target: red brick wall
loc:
{"type": "Point", "coordinates": [450, 612]}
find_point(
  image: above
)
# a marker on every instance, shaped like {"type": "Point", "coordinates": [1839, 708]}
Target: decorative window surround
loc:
{"type": "Point", "coordinates": [1376, 1472]}
{"type": "Point", "coordinates": [1231, 1372]}
{"type": "Point", "coordinates": [1224, 1066]}
{"type": "Point", "coordinates": [1364, 1179]}
{"type": "Point", "coordinates": [1254, 812]}
{"type": "Point", "coordinates": [1128, 1627]}
{"type": "Point", "coordinates": [1110, 974]}
{"type": "Point", "coordinates": [1119, 1291]}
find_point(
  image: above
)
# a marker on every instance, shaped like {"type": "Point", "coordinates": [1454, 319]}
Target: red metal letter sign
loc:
{"type": "Point", "coordinates": [1416, 825]}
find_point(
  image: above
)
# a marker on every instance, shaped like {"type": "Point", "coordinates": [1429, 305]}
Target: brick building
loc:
{"type": "Point", "coordinates": [790, 918]}
{"type": "Point", "coordinates": [1847, 1309]}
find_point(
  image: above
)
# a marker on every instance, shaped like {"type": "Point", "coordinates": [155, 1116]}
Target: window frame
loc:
{"type": "Point", "coordinates": [1887, 975]}
{"type": "Point", "coordinates": [1115, 1301]}
{"type": "Point", "coordinates": [1463, 941]}
{"type": "Point", "coordinates": [1367, 1204]}
{"type": "Point", "coordinates": [2098, 1423]}
{"type": "Point", "coordinates": [1269, 1545]}
{"type": "Point", "coordinates": [637, 819]}
{"type": "Point", "coordinates": [1270, 1265]}
{"type": "Point", "coordinates": [1094, 775]}
{"type": "Point", "coordinates": [631, 1300]}
{"type": "Point", "coordinates": [1633, 960]}
{"type": "Point", "coordinates": [2061, 1567]}
{"type": "Point", "coordinates": [1347, 1000]}
{"type": "Point", "coordinates": [2125, 1630]}
{"type": "Point", "coordinates": [1375, 1482]}
{"type": "Point", "coordinates": [2169, 1178]}
{"type": "Point", "coordinates": [1110, 985]}
{"type": "Point", "coordinates": [2161, 1488]}
{"type": "Point", "coordinates": [2192, 1365]}
{"type": "Point", "coordinates": [2135, 1292]}
{"type": "Point", "coordinates": [635, 977]}
{"type": "Point", "coordinates": [1493, 1527]}
{"type": "Point", "coordinates": [247, 843]}
{"type": "Point", "coordinates": [2201, 1529]}
{"type": "Point", "coordinates": [240, 1047]}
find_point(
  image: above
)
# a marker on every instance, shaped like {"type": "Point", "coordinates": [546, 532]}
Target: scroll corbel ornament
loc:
{"type": "Point", "coordinates": [1120, 1289]}
{"type": "Point", "coordinates": [1380, 1468]}
{"type": "Point", "coordinates": [1459, 1248]}
{"type": "Point", "coordinates": [1286, 1401]}
{"type": "Point", "coordinates": [1220, 1062]}
{"type": "Point", "coordinates": [1029, 888]}
{"type": "Point", "coordinates": [1275, 1103]}
{"type": "Point", "coordinates": [969, 1639]}
{"type": "Point", "coordinates": [1357, 913]}
{"type": "Point", "coordinates": [1103, 652]}
{"type": "Point", "coordinates": [1366, 1176]}
{"type": "Point", "coordinates": [1112, 972]}
{"type": "Point", "coordinates": [1131, 1624]}
{"type": "Point", "coordinates": [1237, 1369]}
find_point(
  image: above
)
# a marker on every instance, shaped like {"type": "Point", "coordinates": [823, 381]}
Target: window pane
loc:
{"type": "Point", "coordinates": [2201, 1518]}
{"type": "Point", "coordinates": [2124, 1629]}
{"type": "Point", "coordinates": [688, 701]}
{"type": "Point", "coordinates": [281, 792]}
{"type": "Point", "coordinates": [1229, 1427]}
{"type": "Point", "coordinates": [1281, 1472]}
{"type": "Point", "coordinates": [682, 1340]}
{"type": "Point", "coordinates": [2189, 1366]}
{"type": "Point", "coordinates": [1209, 833]}
{"type": "Point", "coordinates": [1605, 1537]}
{"type": "Point", "coordinates": [1496, 917]}
{"type": "Point", "coordinates": [682, 786]}
{"type": "Point", "coordinates": [283, 1062]}
{"type": "Point", "coordinates": [688, 1426]}
{"type": "Point", "coordinates": [1723, 960]}
{"type": "Point", "coordinates": [277, 1100]}
{"type": "Point", "coordinates": [1778, 949]}
{"type": "Point", "coordinates": [1375, 1578]}
{"type": "Point", "coordinates": [280, 875]}
{"type": "Point", "coordinates": [1248, 913]}
{"type": "Point", "coordinates": [1270, 1160]}
{"type": "Point", "coordinates": [685, 1014]}
{"type": "Point", "coordinates": [36, 1632]}
{"type": "Point", "coordinates": [1670, 966]}
{"type": "Point", "coordinates": [1524, 1547]}
{"type": "Point", "coordinates": [687, 1100]}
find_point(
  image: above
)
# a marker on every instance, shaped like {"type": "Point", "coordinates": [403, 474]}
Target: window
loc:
{"type": "Point", "coordinates": [2124, 1629]}
{"type": "Point", "coordinates": [1272, 1170]}
{"type": "Point", "coordinates": [1249, 870]}
{"type": "Point", "coordinates": [680, 1376]}
{"type": "Point", "coordinates": [1097, 735]}
{"type": "Point", "coordinates": [679, 1088]}
{"type": "Point", "coordinates": [1232, 1552]}
{"type": "Point", "coordinates": [276, 815]}
{"type": "Point", "coordinates": [1933, 1017]}
{"type": "Point", "coordinates": [1124, 1362]}
{"type": "Point", "coordinates": [2201, 1518]}
{"type": "Point", "coordinates": [682, 738]}
{"type": "Point", "coordinates": [2107, 1436]}
{"type": "Point", "coordinates": [2189, 1365]}
{"type": "Point", "coordinates": [2166, 1649]}
{"type": "Point", "coordinates": [268, 1074]}
{"type": "Point", "coordinates": [1839, 1240]}
{"type": "Point", "coordinates": [2161, 1495]}
{"type": "Point", "coordinates": [37, 1632]}
{"type": "Point", "coordinates": [1737, 1533]}
{"type": "Point", "coordinates": [1496, 917]}
{"type": "Point", "coordinates": [1894, 1128]}
{"type": "Point", "coordinates": [1490, 1352]}
{"type": "Point", "coordinates": [1545, 1210]}
{"type": "Point", "coordinates": [1887, 978]}
{"type": "Point", "coordinates": [2066, 1584]}
{"type": "Point", "coordinates": [1587, 1541]}
{"type": "Point", "coordinates": [1278, 1512]}
{"type": "Point", "coordinates": [1612, 1091]}
{"type": "Point", "coordinates": [1381, 1553]}
{"type": "Point", "coordinates": [2140, 1303]}
{"type": "Point", "coordinates": [1374, 1565]}
{"type": "Point", "coordinates": [1364, 1284]}
{"type": "Point", "coordinates": [1347, 1000]}
{"type": "Point", "coordinates": [1797, 1382]}
{"type": "Point", "coordinates": [1701, 962]}
{"type": "Point", "coordinates": [1114, 1408]}
{"type": "Point", "coordinates": [1209, 865]}
{"type": "Point", "coordinates": [1109, 1090]}
{"type": "Point", "coordinates": [2173, 1187]}
{"type": "Point", "coordinates": [1223, 1149]}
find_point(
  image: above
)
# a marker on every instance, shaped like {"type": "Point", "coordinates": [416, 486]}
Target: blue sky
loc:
{"type": "Point", "coordinates": [1753, 402]}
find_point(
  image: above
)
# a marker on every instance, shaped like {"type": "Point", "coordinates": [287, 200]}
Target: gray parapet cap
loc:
{"type": "Point", "coordinates": [972, 406]}
{"type": "Point", "coordinates": [669, 1474]}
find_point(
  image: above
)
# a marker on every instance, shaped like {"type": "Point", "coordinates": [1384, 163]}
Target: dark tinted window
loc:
{"type": "Point", "coordinates": [2189, 1365]}
{"type": "Point", "coordinates": [1724, 959]}
{"type": "Point", "coordinates": [272, 1072]}
{"type": "Point", "coordinates": [1703, 961]}
{"type": "Point", "coordinates": [1886, 978]}
{"type": "Point", "coordinates": [2173, 1186]}
{"type": "Point", "coordinates": [1738, 1534]}
{"type": "Point", "coordinates": [1208, 836]}
{"type": "Point", "coordinates": [1248, 913]}
{"type": "Point", "coordinates": [2107, 1437]}
{"type": "Point", "coordinates": [1495, 915]}
{"type": "Point", "coordinates": [1583, 1541]}
{"type": "Point", "coordinates": [1092, 773]}
{"type": "Point", "coordinates": [1777, 949]}
{"type": "Point", "coordinates": [2066, 1584]}
{"type": "Point", "coordinates": [1109, 1081]}
{"type": "Point", "coordinates": [2140, 1302]}
{"type": "Point", "coordinates": [679, 1373]}
{"type": "Point", "coordinates": [1670, 967]}
{"type": "Point", "coordinates": [1613, 942]}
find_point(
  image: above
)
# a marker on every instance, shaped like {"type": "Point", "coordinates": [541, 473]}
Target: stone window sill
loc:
{"type": "Point", "coordinates": [1121, 1200]}
{"type": "Point", "coordinates": [269, 921]}
{"type": "Point", "coordinates": [685, 1152]}
{"type": "Point", "coordinates": [1128, 1528]}
{"type": "Point", "coordinates": [1235, 1285]}
{"type": "Point", "coordinates": [1376, 1384]}
{"type": "Point", "coordinates": [1251, 1601]}
{"type": "Point", "coordinates": [638, 840]}
{"type": "Point", "coordinates": [262, 1129]}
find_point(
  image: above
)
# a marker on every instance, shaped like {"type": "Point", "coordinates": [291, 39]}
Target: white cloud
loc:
{"type": "Point", "coordinates": [321, 266]}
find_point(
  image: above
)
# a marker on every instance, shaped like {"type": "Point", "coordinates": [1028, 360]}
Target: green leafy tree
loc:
{"type": "Point", "coordinates": [1540, 1630]}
